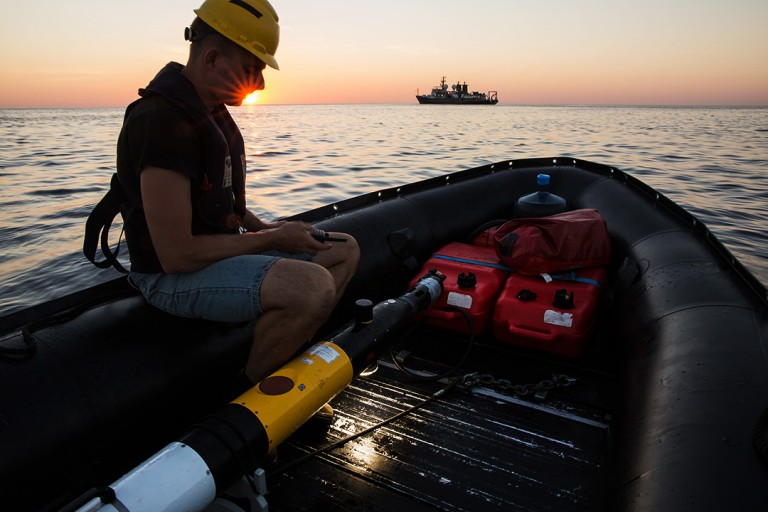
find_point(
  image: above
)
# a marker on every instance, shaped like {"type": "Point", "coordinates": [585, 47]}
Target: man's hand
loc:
{"type": "Point", "coordinates": [293, 237]}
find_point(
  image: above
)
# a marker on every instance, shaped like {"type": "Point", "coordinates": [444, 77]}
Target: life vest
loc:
{"type": "Point", "coordinates": [217, 192]}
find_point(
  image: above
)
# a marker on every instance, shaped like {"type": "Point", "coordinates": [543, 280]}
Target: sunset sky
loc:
{"type": "Point", "coordinates": [656, 52]}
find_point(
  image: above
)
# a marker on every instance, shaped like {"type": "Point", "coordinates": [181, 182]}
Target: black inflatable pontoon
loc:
{"type": "Point", "coordinates": [667, 412]}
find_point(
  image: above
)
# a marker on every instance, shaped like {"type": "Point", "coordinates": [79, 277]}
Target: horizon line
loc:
{"type": "Point", "coordinates": [599, 105]}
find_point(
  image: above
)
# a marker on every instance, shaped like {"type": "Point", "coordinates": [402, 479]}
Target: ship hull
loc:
{"type": "Point", "coordinates": [428, 100]}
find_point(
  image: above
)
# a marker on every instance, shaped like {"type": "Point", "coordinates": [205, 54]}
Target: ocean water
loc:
{"type": "Point", "coordinates": [55, 164]}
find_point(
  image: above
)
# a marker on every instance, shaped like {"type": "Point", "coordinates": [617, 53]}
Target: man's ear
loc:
{"type": "Point", "coordinates": [211, 56]}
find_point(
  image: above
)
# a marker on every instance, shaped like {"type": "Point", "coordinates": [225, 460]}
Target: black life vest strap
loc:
{"type": "Point", "coordinates": [97, 228]}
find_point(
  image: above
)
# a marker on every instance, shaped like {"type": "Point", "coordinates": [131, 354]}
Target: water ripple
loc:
{"type": "Point", "coordinates": [55, 165]}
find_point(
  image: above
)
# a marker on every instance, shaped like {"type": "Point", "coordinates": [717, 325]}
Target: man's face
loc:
{"type": "Point", "coordinates": [240, 74]}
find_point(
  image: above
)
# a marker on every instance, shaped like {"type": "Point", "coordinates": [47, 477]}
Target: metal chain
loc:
{"type": "Point", "coordinates": [471, 380]}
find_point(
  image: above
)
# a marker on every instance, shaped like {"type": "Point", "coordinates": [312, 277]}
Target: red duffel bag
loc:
{"type": "Point", "coordinates": [565, 241]}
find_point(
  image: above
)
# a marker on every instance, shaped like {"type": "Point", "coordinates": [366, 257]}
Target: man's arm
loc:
{"type": "Point", "coordinates": [252, 223]}
{"type": "Point", "coordinates": [168, 210]}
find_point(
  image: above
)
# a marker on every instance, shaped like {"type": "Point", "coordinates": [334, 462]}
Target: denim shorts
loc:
{"type": "Point", "coordinates": [225, 291]}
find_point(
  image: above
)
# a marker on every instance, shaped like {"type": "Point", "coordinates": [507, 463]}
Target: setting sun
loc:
{"type": "Point", "coordinates": [252, 98]}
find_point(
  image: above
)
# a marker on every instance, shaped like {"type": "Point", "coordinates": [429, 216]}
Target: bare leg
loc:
{"type": "Point", "coordinates": [341, 261]}
{"type": "Point", "coordinates": [297, 297]}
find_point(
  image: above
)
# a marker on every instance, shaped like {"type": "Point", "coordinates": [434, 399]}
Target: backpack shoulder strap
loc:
{"type": "Point", "coordinates": [97, 228]}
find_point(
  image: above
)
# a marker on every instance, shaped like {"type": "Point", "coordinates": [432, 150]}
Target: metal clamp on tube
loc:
{"type": "Point", "coordinates": [365, 341]}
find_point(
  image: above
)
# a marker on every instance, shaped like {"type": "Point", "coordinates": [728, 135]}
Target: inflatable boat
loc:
{"type": "Point", "coordinates": [658, 404]}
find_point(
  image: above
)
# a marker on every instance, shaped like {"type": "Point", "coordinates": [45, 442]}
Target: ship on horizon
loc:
{"type": "Point", "coordinates": [458, 95]}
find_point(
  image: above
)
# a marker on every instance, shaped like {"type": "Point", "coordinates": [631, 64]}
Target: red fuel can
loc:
{"type": "Point", "coordinates": [552, 313]}
{"type": "Point", "coordinates": [473, 279]}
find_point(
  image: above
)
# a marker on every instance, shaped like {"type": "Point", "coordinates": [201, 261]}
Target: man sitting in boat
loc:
{"type": "Point", "coordinates": [195, 249]}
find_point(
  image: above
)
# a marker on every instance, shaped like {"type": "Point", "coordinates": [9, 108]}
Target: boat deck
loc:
{"type": "Point", "coordinates": [470, 449]}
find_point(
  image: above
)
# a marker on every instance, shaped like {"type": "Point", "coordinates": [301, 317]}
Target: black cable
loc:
{"type": "Point", "coordinates": [478, 230]}
{"type": "Point", "coordinates": [413, 408]}
{"type": "Point", "coordinates": [454, 368]}
{"type": "Point", "coordinates": [340, 442]}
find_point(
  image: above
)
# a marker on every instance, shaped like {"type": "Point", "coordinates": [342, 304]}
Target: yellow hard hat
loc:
{"type": "Point", "coordinates": [251, 24]}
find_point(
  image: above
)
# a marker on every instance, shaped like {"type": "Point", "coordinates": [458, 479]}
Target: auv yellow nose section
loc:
{"type": "Point", "coordinates": [290, 396]}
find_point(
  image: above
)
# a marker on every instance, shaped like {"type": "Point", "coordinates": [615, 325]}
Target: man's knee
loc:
{"type": "Point", "coordinates": [291, 282]}
{"type": "Point", "coordinates": [353, 249]}
{"type": "Point", "coordinates": [313, 293]}
{"type": "Point", "coordinates": [320, 286]}
{"type": "Point", "coordinates": [351, 255]}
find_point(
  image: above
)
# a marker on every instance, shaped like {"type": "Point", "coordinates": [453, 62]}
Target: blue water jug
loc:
{"type": "Point", "coordinates": [540, 203]}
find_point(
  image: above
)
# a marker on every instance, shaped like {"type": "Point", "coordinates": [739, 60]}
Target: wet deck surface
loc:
{"type": "Point", "coordinates": [478, 449]}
